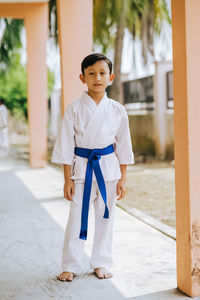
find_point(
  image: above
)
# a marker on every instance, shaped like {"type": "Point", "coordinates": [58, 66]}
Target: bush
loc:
{"type": "Point", "coordinates": [13, 85]}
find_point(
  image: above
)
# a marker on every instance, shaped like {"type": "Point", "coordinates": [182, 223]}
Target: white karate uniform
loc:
{"type": "Point", "coordinates": [88, 125]}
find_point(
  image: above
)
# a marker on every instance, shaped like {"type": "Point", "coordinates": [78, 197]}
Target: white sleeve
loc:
{"type": "Point", "coordinates": [123, 148]}
{"type": "Point", "coordinates": [63, 151]}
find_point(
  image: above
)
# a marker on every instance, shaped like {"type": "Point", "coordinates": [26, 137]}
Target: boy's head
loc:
{"type": "Point", "coordinates": [92, 59]}
{"type": "Point", "coordinates": [96, 72]}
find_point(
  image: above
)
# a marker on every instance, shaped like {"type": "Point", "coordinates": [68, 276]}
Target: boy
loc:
{"type": "Point", "coordinates": [94, 137]}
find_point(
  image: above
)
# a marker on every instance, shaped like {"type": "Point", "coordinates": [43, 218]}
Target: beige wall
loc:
{"type": "Point", "coordinates": [142, 128]}
{"type": "Point", "coordinates": [160, 100]}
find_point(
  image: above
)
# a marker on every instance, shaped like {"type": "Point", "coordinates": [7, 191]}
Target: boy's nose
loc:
{"type": "Point", "coordinates": [98, 76]}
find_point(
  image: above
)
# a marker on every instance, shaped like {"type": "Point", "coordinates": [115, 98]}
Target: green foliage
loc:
{"type": "Point", "coordinates": [14, 87]}
{"type": "Point", "coordinates": [105, 15]}
{"type": "Point", "coordinates": [53, 20]}
{"type": "Point", "coordinates": [51, 82]}
{"type": "Point", "coordinates": [143, 18]}
{"type": "Point", "coordinates": [10, 41]}
{"type": "Point", "coordinates": [161, 13]}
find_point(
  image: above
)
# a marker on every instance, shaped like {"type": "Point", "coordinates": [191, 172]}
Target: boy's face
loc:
{"type": "Point", "coordinates": [97, 76]}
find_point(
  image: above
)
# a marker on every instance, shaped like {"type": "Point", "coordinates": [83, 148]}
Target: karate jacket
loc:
{"type": "Point", "coordinates": [88, 125]}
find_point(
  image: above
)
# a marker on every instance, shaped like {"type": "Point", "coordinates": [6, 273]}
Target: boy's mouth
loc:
{"type": "Point", "coordinates": [97, 84]}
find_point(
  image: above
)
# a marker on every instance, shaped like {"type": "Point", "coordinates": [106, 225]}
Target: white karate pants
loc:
{"type": "Point", "coordinates": [73, 248]}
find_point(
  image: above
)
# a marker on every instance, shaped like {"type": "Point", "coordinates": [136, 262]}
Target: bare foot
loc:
{"type": "Point", "coordinates": [102, 273]}
{"type": "Point", "coordinates": [66, 276]}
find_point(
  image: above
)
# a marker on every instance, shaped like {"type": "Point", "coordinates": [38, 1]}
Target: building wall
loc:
{"type": "Point", "coordinates": [143, 133]}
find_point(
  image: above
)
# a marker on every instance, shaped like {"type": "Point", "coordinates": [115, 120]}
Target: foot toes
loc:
{"type": "Point", "coordinates": [70, 278]}
{"type": "Point", "coordinates": [102, 273]}
{"type": "Point", "coordinates": [107, 275]}
{"type": "Point", "coordinates": [65, 276]}
{"type": "Point", "coordinates": [99, 274]}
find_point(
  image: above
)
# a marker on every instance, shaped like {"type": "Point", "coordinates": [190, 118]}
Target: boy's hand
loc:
{"type": "Point", "coordinates": [69, 188]}
{"type": "Point", "coordinates": [121, 189]}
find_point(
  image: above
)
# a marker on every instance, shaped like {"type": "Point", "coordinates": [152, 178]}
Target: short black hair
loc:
{"type": "Point", "coordinates": [92, 59]}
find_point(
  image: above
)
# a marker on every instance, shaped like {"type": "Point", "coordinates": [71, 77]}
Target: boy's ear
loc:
{"type": "Point", "coordinates": [82, 78]}
{"type": "Point", "coordinates": [112, 76]}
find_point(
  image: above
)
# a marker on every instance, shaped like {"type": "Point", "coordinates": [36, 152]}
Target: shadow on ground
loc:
{"type": "Point", "coordinates": [30, 250]}
{"type": "Point", "coordinates": [173, 294]}
{"type": "Point", "coordinates": [33, 216]}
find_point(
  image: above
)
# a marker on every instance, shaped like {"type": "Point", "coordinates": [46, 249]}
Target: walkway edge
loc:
{"type": "Point", "coordinates": [149, 220]}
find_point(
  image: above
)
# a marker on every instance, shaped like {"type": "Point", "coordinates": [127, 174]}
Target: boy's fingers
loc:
{"type": "Point", "coordinates": [119, 198]}
{"type": "Point", "coordinates": [119, 193]}
{"type": "Point", "coordinates": [71, 193]}
{"type": "Point", "coordinates": [123, 192]}
{"type": "Point", "coordinates": [118, 190]}
{"type": "Point", "coordinates": [68, 195]}
{"type": "Point", "coordinates": [65, 194]}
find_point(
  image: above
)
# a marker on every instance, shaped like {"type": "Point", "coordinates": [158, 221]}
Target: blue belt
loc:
{"type": "Point", "coordinates": [93, 156]}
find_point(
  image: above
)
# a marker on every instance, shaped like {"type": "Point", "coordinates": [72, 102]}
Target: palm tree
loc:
{"type": "Point", "coordinates": [110, 17]}
{"type": "Point", "coordinates": [10, 41]}
{"type": "Point", "coordinates": [141, 17]}
{"type": "Point", "coordinates": [53, 22]}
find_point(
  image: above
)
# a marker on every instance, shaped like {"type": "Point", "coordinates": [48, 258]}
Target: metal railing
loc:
{"type": "Point", "coordinates": [170, 98]}
{"type": "Point", "coordinates": [138, 94]}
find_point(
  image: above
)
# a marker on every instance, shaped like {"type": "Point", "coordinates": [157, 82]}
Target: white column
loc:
{"type": "Point", "coordinates": [160, 100]}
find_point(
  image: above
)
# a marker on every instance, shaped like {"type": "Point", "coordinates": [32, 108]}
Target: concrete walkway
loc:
{"type": "Point", "coordinates": [33, 216]}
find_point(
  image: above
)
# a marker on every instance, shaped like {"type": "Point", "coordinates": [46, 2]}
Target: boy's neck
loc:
{"type": "Point", "coordinates": [96, 96]}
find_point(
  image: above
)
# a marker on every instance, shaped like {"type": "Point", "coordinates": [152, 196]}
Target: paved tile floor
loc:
{"type": "Point", "coordinates": [33, 216]}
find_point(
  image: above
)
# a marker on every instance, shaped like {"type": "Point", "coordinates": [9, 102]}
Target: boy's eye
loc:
{"type": "Point", "coordinates": [103, 73]}
{"type": "Point", "coordinates": [91, 73]}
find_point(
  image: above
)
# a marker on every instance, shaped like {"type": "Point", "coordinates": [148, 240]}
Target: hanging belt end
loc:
{"type": "Point", "coordinates": [106, 213]}
{"type": "Point", "coordinates": [83, 235]}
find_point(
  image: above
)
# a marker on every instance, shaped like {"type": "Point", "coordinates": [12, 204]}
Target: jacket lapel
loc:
{"type": "Point", "coordinates": [96, 119]}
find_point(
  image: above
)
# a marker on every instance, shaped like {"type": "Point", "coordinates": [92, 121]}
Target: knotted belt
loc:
{"type": "Point", "coordinates": [93, 156]}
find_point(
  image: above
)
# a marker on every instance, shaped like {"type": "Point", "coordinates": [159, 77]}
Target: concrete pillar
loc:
{"type": "Point", "coordinates": [160, 100]}
{"type": "Point", "coordinates": [186, 66]}
{"type": "Point", "coordinates": [36, 22]}
{"type": "Point", "coordinates": [75, 26]}
{"type": "Point", "coordinates": [35, 15]}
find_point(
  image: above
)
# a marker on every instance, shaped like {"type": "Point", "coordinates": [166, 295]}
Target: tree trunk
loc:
{"type": "Point", "coordinates": [116, 90]}
{"type": "Point", "coordinates": [147, 32]}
